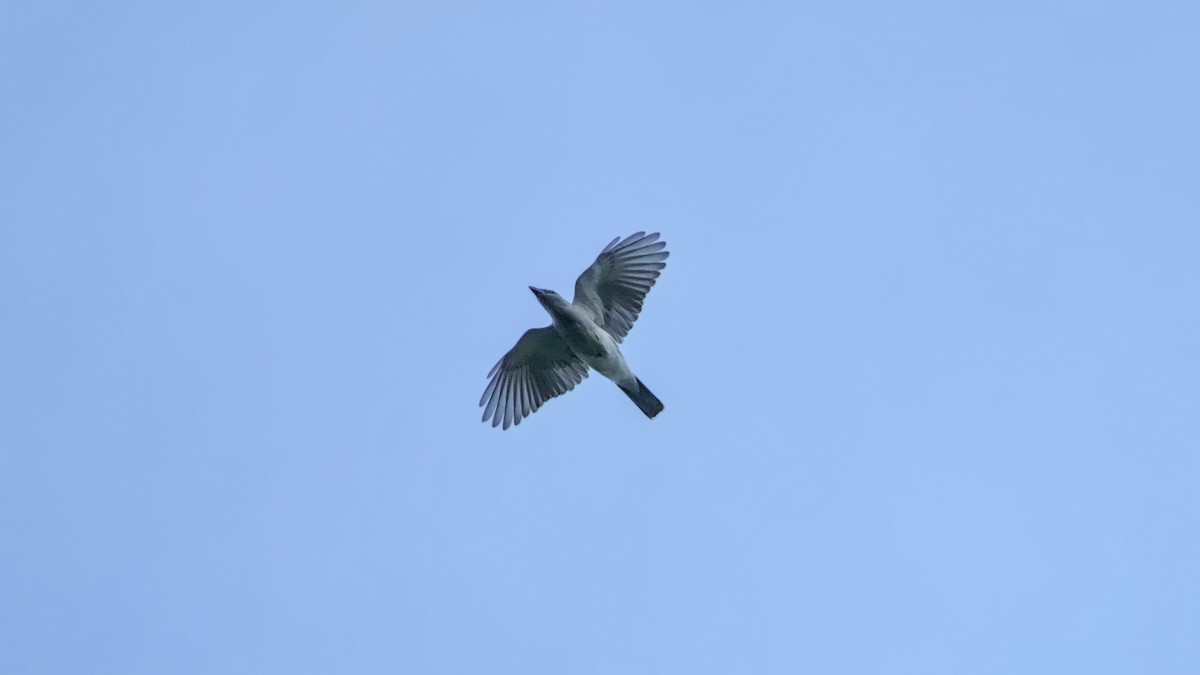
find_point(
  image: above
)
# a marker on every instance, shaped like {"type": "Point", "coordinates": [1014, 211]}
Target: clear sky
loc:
{"type": "Point", "coordinates": [927, 339]}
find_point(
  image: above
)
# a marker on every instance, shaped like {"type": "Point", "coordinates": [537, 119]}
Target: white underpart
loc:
{"type": "Point", "coordinates": [612, 364]}
{"type": "Point", "coordinates": [592, 344]}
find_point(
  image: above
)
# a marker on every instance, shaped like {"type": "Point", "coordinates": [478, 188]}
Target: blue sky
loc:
{"type": "Point", "coordinates": [927, 339]}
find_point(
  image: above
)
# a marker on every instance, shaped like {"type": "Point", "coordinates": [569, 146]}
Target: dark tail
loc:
{"type": "Point", "coordinates": [648, 402]}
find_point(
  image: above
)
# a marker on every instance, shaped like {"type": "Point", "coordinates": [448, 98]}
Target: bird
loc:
{"type": "Point", "coordinates": [584, 333]}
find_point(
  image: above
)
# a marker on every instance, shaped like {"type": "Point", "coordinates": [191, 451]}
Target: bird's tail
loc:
{"type": "Point", "coordinates": [645, 400]}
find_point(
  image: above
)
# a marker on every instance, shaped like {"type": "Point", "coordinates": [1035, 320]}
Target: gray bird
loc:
{"type": "Point", "coordinates": [547, 362]}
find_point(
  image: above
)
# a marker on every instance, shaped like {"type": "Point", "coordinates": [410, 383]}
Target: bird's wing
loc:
{"type": "Point", "coordinates": [615, 285]}
{"type": "Point", "coordinates": [538, 368]}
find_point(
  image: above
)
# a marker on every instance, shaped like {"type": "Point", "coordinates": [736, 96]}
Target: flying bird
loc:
{"type": "Point", "coordinates": [586, 332]}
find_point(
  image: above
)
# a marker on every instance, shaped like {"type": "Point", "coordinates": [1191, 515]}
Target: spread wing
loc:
{"type": "Point", "coordinates": [538, 368]}
{"type": "Point", "coordinates": [614, 287]}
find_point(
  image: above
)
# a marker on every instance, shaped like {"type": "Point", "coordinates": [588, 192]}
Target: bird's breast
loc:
{"type": "Point", "coordinates": [595, 347]}
{"type": "Point", "coordinates": [584, 337]}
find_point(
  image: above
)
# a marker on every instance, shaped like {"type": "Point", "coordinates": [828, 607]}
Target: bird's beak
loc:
{"type": "Point", "coordinates": [536, 291]}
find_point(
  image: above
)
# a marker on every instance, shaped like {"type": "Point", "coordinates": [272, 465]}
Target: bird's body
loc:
{"type": "Point", "coordinates": [591, 343]}
{"type": "Point", "coordinates": [585, 333]}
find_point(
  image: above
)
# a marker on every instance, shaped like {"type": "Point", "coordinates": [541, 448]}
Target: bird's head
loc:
{"type": "Point", "coordinates": [550, 300]}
